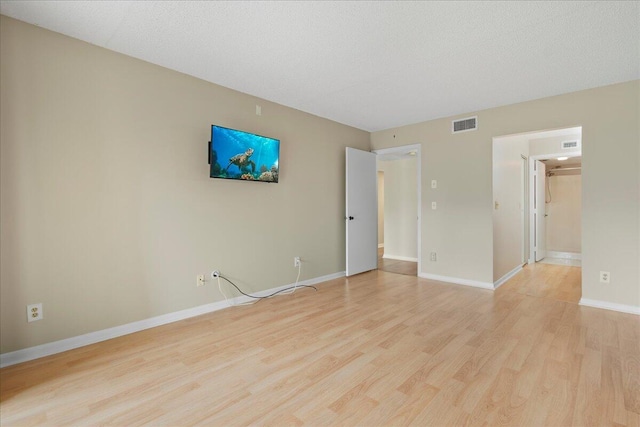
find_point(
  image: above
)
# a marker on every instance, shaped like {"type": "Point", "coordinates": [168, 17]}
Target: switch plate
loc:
{"type": "Point", "coordinates": [258, 110]}
{"type": "Point", "coordinates": [434, 205]}
{"type": "Point", "coordinates": [200, 280]}
{"type": "Point", "coordinates": [434, 183]}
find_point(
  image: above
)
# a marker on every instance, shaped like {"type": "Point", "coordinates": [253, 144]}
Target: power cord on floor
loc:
{"type": "Point", "coordinates": [285, 291]}
{"type": "Point", "coordinates": [292, 290]}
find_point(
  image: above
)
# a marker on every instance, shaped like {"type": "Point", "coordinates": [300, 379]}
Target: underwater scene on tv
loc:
{"type": "Point", "coordinates": [241, 155]}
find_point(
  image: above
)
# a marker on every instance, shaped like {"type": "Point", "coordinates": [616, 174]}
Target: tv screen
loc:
{"type": "Point", "coordinates": [234, 154]}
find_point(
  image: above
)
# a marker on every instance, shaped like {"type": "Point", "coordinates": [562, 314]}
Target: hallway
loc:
{"type": "Point", "coordinates": [395, 266]}
{"type": "Point", "coordinates": [557, 282]}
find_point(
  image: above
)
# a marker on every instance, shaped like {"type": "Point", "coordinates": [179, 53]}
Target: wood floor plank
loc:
{"type": "Point", "coordinates": [396, 266]}
{"type": "Point", "coordinates": [413, 406]}
{"type": "Point", "coordinates": [561, 411]}
{"type": "Point", "coordinates": [500, 405]}
{"type": "Point", "coordinates": [395, 403]}
{"type": "Point", "coordinates": [374, 349]}
{"type": "Point", "coordinates": [588, 406]}
{"type": "Point", "coordinates": [630, 362]}
{"type": "Point", "coordinates": [442, 410]}
{"type": "Point", "coordinates": [612, 393]}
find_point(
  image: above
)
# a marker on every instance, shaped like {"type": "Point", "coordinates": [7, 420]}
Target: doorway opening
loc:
{"type": "Point", "coordinates": [399, 200]}
{"type": "Point", "coordinates": [560, 238]}
{"type": "Point", "coordinates": [537, 212]}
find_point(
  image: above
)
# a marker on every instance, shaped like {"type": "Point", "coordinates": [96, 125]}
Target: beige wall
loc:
{"type": "Point", "coordinates": [563, 223]}
{"type": "Point", "coordinates": [107, 210]}
{"type": "Point", "coordinates": [400, 208]}
{"type": "Point", "coordinates": [508, 206]}
{"type": "Point", "coordinates": [553, 145]}
{"type": "Point", "coordinates": [461, 228]}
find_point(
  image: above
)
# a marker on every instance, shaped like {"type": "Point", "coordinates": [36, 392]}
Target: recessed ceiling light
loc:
{"type": "Point", "coordinates": [562, 158]}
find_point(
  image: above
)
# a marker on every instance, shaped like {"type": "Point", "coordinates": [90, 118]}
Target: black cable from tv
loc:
{"type": "Point", "coordinates": [270, 295]}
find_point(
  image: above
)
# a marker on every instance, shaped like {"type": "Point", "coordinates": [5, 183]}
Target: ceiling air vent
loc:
{"type": "Point", "coordinates": [464, 125]}
{"type": "Point", "coordinates": [569, 145]}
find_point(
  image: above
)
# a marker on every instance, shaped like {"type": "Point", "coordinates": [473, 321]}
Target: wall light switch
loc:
{"type": "Point", "coordinates": [434, 206]}
{"type": "Point", "coordinates": [434, 183]}
{"type": "Point", "coordinates": [258, 110]}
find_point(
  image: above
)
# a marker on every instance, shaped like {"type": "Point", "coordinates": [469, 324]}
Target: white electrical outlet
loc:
{"type": "Point", "coordinates": [200, 280]}
{"type": "Point", "coordinates": [34, 312]}
{"type": "Point", "coordinates": [605, 277]}
{"type": "Point", "coordinates": [434, 256]}
{"type": "Point", "coordinates": [296, 261]}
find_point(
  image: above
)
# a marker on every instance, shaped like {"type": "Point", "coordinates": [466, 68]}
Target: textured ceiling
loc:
{"type": "Point", "coordinates": [371, 65]}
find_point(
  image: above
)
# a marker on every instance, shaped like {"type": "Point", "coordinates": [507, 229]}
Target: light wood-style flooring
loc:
{"type": "Point", "coordinates": [396, 266]}
{"type": "Point", "coordinates": [558, 282]}
{"type": "Point", "coordinates": [377, 349]}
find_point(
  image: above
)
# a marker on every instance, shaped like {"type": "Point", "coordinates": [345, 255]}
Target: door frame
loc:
{"type": "Point", "coordinates": [524, 209]}
{"type": "Point", "coordinates": [539, 208]}
{"type": "Point", "coordinates": [532, 160]}
{"type": "Point", "coordinates": [403, 149]}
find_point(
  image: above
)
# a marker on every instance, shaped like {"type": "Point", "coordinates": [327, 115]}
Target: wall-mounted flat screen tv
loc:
{"type": "Point", "coordinates": [234, 154]}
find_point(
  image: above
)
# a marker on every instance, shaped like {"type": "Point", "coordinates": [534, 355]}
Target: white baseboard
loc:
{"type": "Point", "coordinates": [380, 245]}
{"type": "Point", "coordinates": [564, 255]}
{"type": "Point", "coordinates": [399, 258]}
{"type": "Point", "coordinates": [457, 281]}
{"type": "Point", "coordinates": [31, 353]}
{"type": "Point", "coordinates": [631, 309]}
{"type": "Point", "coordinates": [55, 347]}
{"type": "Point", "coordinates": [506, 277]}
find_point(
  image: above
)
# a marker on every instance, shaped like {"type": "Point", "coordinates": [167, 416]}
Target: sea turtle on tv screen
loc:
{"type": "Point", "coordinates": [242, 160]}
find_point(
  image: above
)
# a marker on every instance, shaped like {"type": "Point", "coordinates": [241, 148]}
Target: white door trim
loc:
{"type": "Point", "coordinates": [524, 210]}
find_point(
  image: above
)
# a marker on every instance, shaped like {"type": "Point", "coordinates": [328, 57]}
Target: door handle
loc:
{"type": "Point", "coordinates": [351, 218]}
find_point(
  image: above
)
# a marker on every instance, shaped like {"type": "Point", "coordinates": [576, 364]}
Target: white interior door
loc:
{"type": "Point", "coordinates": [361, 211]}
{"type": "Point", "coordinates": [539, 211]}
